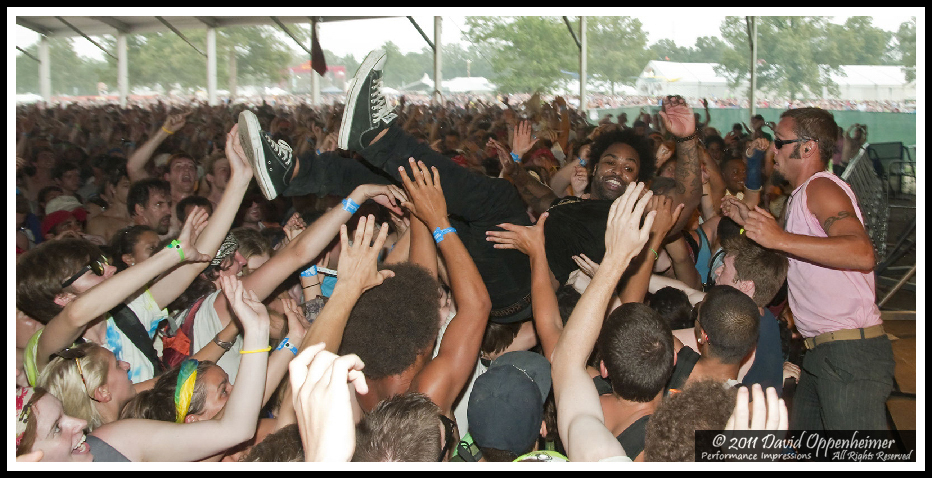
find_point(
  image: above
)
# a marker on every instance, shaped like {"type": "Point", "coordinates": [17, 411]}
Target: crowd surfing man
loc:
{"type": "Point", "coordinates": [475, 202]}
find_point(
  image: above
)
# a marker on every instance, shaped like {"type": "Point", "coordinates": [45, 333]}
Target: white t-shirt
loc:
{"type": "Point", "coordinates": [149, 315]}
{"type": "Point", "coordinates": [206, 327]}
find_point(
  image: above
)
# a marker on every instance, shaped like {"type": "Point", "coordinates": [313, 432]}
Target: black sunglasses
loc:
{"type": "Point", "coordinates": [779, 143]}
{"type": "Point", "coordinates": [448, 436]}
{"type": "Point", "coordinates": [75, 354]}
{"type": "Point", "coordinates": [96, 265]}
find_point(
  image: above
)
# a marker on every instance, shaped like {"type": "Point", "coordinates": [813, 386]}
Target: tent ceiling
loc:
{"type": "Point", "coordinates": [95, 26]}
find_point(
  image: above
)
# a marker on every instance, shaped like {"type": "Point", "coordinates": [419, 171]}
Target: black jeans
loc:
{"type": "Point", "coordinates": [476, 203]}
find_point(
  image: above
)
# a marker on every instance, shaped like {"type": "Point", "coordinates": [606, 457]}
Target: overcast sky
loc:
{"type": "Point", "coordinates": [682, 25]}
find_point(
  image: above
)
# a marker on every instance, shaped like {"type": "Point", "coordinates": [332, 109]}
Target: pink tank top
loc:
{"type": "Point", "coordinates": [824, 299]}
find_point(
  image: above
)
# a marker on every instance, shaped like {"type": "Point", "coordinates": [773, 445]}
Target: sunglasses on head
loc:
{"type": "Point", "coordinates": [779, 143]}
{"type": "Point", "coordinates": [75, 354]}
{"type": "Point", "coordinates": [95, 265]}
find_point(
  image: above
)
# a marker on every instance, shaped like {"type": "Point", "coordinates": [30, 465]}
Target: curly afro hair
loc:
{"type": "Point", "coordinates": [394, 322]}
{"type": "Point", "coordinates": [641, 145]}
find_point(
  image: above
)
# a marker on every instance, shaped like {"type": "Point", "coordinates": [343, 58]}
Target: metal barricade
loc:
{"type": "Point", "coordinates": [872, 200]}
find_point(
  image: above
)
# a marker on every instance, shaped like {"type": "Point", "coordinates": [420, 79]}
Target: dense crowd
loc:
{"type": "Point", "coordinates": [478, 280]}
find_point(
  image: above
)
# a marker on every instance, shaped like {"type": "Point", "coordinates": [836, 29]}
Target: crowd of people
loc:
{"type": "Point", "coordinates": [482, 281]}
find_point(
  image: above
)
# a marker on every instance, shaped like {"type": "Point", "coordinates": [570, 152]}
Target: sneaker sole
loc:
{"type": "Point", "coordinates": [368, 64]}
{"type": "Point", "coordinates": [249, 137]}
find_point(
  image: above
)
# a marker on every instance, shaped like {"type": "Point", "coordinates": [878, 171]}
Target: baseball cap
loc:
{"type": "Point", "coordinates": [505, 407]}
{"type": "Point", "coordinates": [54, 219]}
{"type": "Point", "coordinates": [67, 203]}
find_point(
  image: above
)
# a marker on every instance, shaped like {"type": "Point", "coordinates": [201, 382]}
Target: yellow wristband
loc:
{"type": "Point", "coordinates": [256, 351]}
{"type": "Point", "coordinates": [167, 131]}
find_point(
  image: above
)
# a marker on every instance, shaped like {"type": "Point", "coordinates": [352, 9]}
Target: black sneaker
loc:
{"type": "Point", "coordinates": [272, 162]}
{"type": "Point", "coordinates": [366, 112]}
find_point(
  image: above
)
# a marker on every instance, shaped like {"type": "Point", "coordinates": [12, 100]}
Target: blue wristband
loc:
{"type": "Point", "coordinates": [515, 157]}
{"type": "Point", "coordinates": [286, 344]}
{"type": "Point", "coordinates": [439, 233]}
{"type": "Point", "coordinates": [309, 272]}
{"type": "Point", "coordinates": [582, 162]}
{"type": "Point", "coordinates": [350, 206]}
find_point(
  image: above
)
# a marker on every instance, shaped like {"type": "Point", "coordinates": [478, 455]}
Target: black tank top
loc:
{"type": "Point", "coordinates": [686, 360]}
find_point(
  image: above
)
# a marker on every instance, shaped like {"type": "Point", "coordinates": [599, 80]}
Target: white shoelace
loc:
{"type": "Point", "coordinates": [282, 149]}
{"type": "Point", "coordinates": [381, 110]}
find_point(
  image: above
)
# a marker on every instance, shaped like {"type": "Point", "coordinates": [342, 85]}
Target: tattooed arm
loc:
{"type": "Point", "coordinates": [679, 120]}
{"type": "Point", "coordinates": [847, 246]}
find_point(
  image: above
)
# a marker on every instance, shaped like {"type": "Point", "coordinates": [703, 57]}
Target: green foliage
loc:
{"type": "Point", "coordinates": [906, 47]}
{"type": "Point", "coordinates": [70, 73]}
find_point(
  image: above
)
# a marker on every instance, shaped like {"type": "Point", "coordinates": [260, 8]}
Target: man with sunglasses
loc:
{"type": "Point", "coordinates": [847, 372]}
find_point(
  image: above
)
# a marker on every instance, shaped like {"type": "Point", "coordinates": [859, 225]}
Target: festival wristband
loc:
{"type": "Point", "coordinates": [167, 131]}
{"type": "Point", "coordinates": [309, 272]}
{"type": "Point", "coordinates": [256, 351]}
{"type": "Point", "coordinates": [582, 162]}
{"type": "Point", "coordinates": [656, 256]}
{"type": "Point", "coordinates": [515, 157]}
{"type": "Point", "coordinates": [286, 344]}
{"type": "Point", "coordinates": [350, 206]}
{"type": "Point", "coordinates": [177, 246]}
{"type": "Point", "coordinates": [439, 233]}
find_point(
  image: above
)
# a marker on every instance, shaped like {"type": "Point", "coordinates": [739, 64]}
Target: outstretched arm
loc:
{"type": "Point", "coordinates": [536, 194]}
{"type": "Point", "coordinates": [171, 286]}
{"type": "Point", "coordinates": [136, 164]}
{"type": "Point", "coordinates": [70, 323]}
{"type": "Point", "coordinates": [444, 377]}
{"type": "Point", "coordinates": [198, 440]}
{"type": "Point", "coordinates": [358, 273]}
{"type": "Point", "coordinates": [581, 423]}
{"type": "Point", "coordinates": [679, 120]}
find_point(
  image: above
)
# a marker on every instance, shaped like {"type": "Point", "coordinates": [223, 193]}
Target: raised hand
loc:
{"type": "Point", "coordinates": [359, 261]}
{"type": "Point", "coordinates": [667, 214]}
{"type": "Point", "coordinates": [527, 239]}
{"type": "Point", "coordinates": [767, 413]}
{"type": "Point", "coordinates": [246, 305]}
{"type": "Point", "coordinates": [735, 210]}
{"type": "Point", "coordinates": [194, 224]}
{"type": "Point", "coordinates": [240, 169]}
{"type": "Point", "coordinates": [323, 402]}
{"type": "Point", "coordinates": [386, 195]}
{"type": "Point", "coordinates": [507, 163]}
{"type": "Point", "coordinates": [426, 196]}
{"type": "Point", "coordinates": [579, 180]}
{"type": "Point", "coordinates": [175, 122]}
{"type": "Point", "coordinates": [586, 265]}
{"type": "Point", "coordinates": [762, 228]}
{"type": "Point", "coordinates": [677, 116]}
{"type": "Point", "coordinates": [522, 140]}
{"type": "Point", "coordinates": [624, 238]}
{"type": "Point", "coordinates": [297, 326]}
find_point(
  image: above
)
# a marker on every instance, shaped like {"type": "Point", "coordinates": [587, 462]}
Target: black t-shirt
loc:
{"type": "Point", "coordinates": [575, 226]}
{"type": "Point", "coordinates": [686, 360]}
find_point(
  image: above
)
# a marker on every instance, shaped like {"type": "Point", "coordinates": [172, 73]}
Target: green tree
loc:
{"type": "Point", "coordinates": [791, 61]}
{"type": "Point", "coordinates": [71, 74]}
{"type": "Point", "coordinates": [526, 54]}
{"type": "Point", "coordinates": [617, 49]}
{"type": "Point", "coordinates": [906, 47]}
{"type": "Point", "coordinates": [858, 42]}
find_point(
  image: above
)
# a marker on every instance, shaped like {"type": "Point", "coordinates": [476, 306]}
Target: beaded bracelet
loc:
{"type": "Point", "coordinates": [350, 206]}
{"type": "Point", "coordinates": [439, 233]}
{"type": "Point", "coordinates": [690, 137]}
